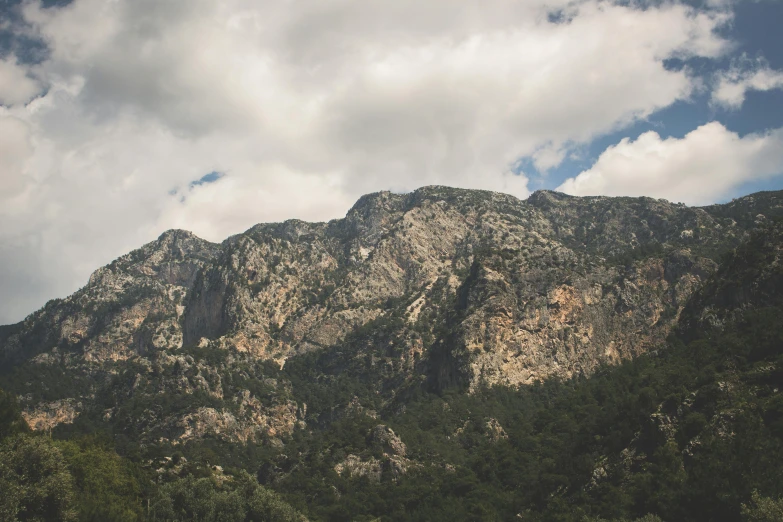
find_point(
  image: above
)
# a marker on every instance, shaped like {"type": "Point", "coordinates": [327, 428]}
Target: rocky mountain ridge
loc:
{"type": "Point", "coordinates": [440, 287]}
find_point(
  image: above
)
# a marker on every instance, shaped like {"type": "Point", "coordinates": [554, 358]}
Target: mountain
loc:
{"type": "Point", "coordinates": [402, 343]}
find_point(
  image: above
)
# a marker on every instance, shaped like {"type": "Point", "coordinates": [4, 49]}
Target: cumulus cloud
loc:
{"type": "Point", "coordinates": [304, 106]}
{"type": "Point", "coordinates": [700, 168]}
{"type": "Point", "coordinates": [15, 84]}
{"type": "Point", "coordinates": [750, 75]}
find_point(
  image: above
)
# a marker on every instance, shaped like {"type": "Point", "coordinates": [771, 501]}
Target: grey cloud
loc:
{"type": "Point", "coordinates": [306, 105]}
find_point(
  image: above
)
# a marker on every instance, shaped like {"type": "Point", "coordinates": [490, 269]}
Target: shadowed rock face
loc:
{"type": "Point", "coordinates": [751, 276]}
{"type": "Point", "coordinates": [460, 287]}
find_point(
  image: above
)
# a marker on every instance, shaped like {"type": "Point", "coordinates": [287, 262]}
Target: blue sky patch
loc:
{"type": "Point", "coordinates": [755, 30]}
{"type": "Point", "coordinates": [206, 179]}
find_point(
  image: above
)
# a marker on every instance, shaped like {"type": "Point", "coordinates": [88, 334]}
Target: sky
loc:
{"type": "Point", "coordinates": [120, 119]}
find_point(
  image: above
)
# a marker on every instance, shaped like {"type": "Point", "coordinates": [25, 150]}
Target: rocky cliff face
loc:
{"type": "Point", "coordinates": [731, 327]}
{"type": "Point", "coordinates": [751, 276]}
{"type": "Point", "coordinates": [126, 308]}
{"type": "Point", "coordinates": [439, 287]}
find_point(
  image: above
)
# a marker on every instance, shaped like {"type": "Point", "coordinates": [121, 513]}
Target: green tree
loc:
{"type": "Point", "coordinates": [11, 421]}
{"type": "Point", "coordinates": [230, 499]}
{"type": "Point", "coordinates": [108, 485]}
{"type": "Point", "coordinates": [35, 481]}
{"type": "Point", "coordinates": [762, 509]}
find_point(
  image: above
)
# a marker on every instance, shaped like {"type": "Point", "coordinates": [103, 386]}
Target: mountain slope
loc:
{"type": "Point", "coordinates": [454, 287]}
{"type": "Point", "coordinates": [687, 432]}
{"type": "Point", "coordinates": [445, 354]}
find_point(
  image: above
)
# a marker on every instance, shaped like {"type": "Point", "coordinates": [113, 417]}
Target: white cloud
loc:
{"type": "Point", "coordinates": [749, 75]}
{"type": "Point", "coordinates": [548, 157]}
{"type": "Point", "coordinates": [305, 106]}
{"type": "Point", "coordinates": [15, 149]}
{"type": "Point", "coordinates": [700, 168]}
{"type": "Point", "coordinates": [15, 85]}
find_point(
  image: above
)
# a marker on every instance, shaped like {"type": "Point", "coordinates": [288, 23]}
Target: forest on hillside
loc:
{"type": "Point", "coordinates": [588, 449]}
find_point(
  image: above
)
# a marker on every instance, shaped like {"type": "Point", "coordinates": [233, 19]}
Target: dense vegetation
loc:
{"type": "Point", "coordinates": [84, 479]}
{"type": "Point", "coordinates": [693, 433]}
{"type": "Point", "coordinates": [688, 434]}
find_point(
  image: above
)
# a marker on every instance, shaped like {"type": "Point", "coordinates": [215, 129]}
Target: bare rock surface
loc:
{"type": "Point", "coordinates": [440, 287]}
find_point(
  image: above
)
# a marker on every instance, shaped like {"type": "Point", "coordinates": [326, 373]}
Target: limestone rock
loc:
{"type": "Point", "coordinates": [440, 287]}
{"type": "Point", "coordinates": [353, 466]}
{"type": "Point", "coordinates": [46, 416]}
{"type": "Point", "coordinates": [386, 438]}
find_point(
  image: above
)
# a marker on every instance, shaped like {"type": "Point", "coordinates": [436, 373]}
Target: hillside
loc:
{"type": "Point", "coordinates": [440, 354]}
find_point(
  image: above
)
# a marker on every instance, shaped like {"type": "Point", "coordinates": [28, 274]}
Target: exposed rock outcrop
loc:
{"type": "Point", "coordinates": [47, 415]}
{"type": "Point", "coordinates": [440, 287]}
{"type": "Point", "coordinates": [393, 461]}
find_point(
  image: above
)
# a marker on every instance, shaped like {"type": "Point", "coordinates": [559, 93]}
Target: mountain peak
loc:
{"type": "Point", "coordinates": [176, 233]}
{"type": "Point", "coordinates": [542, 198]}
